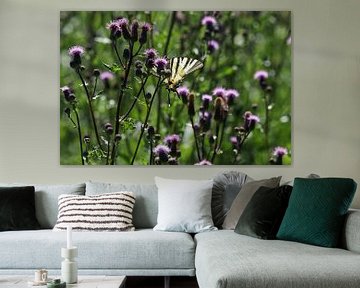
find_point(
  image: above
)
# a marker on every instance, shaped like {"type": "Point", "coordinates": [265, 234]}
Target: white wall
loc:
{"type": "Point", "coordinates": [326, 90]}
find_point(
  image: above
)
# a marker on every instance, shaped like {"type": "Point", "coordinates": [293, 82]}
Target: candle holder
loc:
{"type": "Point", "coordinates": [69, 265]}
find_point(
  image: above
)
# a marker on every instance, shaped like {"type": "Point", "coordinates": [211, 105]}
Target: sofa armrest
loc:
{"type": "Point", "coordinates": [351, 234]}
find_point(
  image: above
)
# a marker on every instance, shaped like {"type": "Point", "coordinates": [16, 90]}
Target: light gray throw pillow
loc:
{"type": "Point", "coordinates": [243, 198]}
{"type": "Point", "coordinates": [184, 205]}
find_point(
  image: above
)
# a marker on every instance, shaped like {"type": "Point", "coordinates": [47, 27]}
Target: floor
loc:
{"type": "Point", "coordinates": [158, 282]}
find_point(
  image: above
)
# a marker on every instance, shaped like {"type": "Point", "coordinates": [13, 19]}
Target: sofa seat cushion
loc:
{"type": "Point", "coordinates": [226, 259]}
{"type": "Point", "coordinates": [142, 249]}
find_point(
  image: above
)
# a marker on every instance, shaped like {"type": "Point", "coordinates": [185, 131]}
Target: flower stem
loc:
{"type": "Point", "coordinates": [222, 132]}
{"type": "Point", "coordinates": [121, 94]}
{"type": "Point", "coordinates": [80, 137]}
{"type": "Point", "coordinates": [166, 47]}
{"type": "Point", "coordinates": [135, 100]}
{"type": "Point", "coordinates": [146, 120]}
{"type": "Point", "coordinates": [91, 109]}
{"type": "Point", "coordinates": [216, 142]}
{"type": "Point", "coordinates": [117, 54]}
{"type": "Point", "coordinates": [195, 138]}
{"type": "Point", "coordinates": [108, 151]}
{"type": "Point", "coordinates": [266, 124]}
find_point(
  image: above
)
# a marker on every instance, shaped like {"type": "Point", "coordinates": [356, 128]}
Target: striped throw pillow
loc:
{"type": "Point", "coordinates": [105, 212]}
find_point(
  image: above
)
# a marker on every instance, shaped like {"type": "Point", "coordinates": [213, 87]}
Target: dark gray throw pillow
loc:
{"type": "Point", "coordinates": [225, 189]}
{"type": "Point", "coordinates": [17, 209]}
{"type": "Point", "coordinates": [263, 214]}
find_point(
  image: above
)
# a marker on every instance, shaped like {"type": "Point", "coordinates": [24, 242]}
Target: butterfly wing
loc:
{"type": "Point", "coordinates": [180, 67]}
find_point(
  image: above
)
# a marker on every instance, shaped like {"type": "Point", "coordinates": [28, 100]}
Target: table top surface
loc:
{"type": "Point", "coordinates": [84, 281]}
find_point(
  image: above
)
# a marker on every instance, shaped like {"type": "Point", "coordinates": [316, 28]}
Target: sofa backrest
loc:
{"type": "Point", "coordinates": [146, 203]}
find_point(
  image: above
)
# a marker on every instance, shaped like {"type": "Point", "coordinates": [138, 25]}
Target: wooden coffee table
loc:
{"type": "Point", "coordinates": [83, 282]}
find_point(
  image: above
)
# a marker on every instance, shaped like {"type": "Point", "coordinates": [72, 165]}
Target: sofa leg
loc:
{"type": "Point", "coordinates": [167, 282]}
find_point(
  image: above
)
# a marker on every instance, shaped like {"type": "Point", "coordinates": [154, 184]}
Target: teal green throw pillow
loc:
{"type": "Point", "coordinates": [316, 211]}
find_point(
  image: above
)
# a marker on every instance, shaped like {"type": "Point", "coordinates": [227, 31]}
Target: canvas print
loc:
{"type": "Point", "coordinates": [175, 88]}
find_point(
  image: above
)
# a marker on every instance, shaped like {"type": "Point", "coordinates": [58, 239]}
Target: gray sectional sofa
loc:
{"type": "Point", "coordinates": [219, 259]}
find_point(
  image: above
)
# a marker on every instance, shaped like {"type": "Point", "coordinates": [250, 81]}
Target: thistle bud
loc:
{"type": "Point", "coordinates": [191, 106]}
{"type": "Point", "coordinates": [126, 53]}
{"type": "Point", "coordinates": [96, 72]}
{"type": "Point", "coordinates": [219, 109]}
{"type": "Point", "coordinates": [134, 30]}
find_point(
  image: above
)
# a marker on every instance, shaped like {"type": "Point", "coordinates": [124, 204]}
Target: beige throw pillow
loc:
{"type": "Point", "coordinates": [243, 198]}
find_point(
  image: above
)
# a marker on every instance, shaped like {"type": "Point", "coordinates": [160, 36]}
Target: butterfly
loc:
{"type": "Point", "coordinates": [180, 67]}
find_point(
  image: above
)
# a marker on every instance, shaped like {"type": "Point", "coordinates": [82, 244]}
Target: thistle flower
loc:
{"type": "Point", "coordinates": [113, 25]}
{"type": "Point", "coordinates": [123, 24]}
{"type": "Point", "coordinates": [162, 151]}
{"type": "Point", "coordinates": [280, 151]}
{"type": "Point", "coordinates": [209, 21]}
{"type": "Point", "coordinates": [250, 121]}
{"type": "Point", "coordinates": [206, 99]}
{"type": "Point", "coordinates": [234, 140]}
{"type": "Point", "coordinates": [230, 96]}
{"type": "Point", "coordinates": [146, 27]}
{"type": "Point", "coordinates": [278, 154]}
{"type": "Point", "coordinates": [68, 94]}
{"type": "Point", "coordinates": [86, 139]}
{"type": "Point", "coordinates": [219, 92]}
{"type": "Point", "coordinates": [204, 163]}
{"type": "Point", "coordinates": [115, 30]}
{"type": "Point", "coordinates": [150, 53]}
{"type": "Point", "coordinates": [261, 75]}
{"type": "Point", "coordinates": [183, 93]}
{"type": "Point", "coordinates": [76, 51]}
{"type": "Point", "coordinates": [161, 63]}
{"type": "Point", "coordinates": [106, 76]}
{"type": "Point", "coordinates": [172, 139]}
{"type": "Point", "coordinates": [213, 46]}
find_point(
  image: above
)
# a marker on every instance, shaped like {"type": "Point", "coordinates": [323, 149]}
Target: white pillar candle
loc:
{"type": "Point", "coordinates": [69, 237]}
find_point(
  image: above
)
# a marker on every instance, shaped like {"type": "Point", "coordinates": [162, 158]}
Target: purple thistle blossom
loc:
{"type": "Point", "coordinates": [183, 91]}
{"type": "Point", "coordinates": [113, 26]}
{"type": "Point", "coordinates": [219, 92]}
{"type": "Point", "coordinates": [206, 100]}
{"type": "Point", "coordinates": [106, 76]}
{"type": "Point", "coordinates": [66, 90]}
{"type": "Point", "coordinates": [230, 95]}
{"type": "Point", "coordinates": [68, 93]}
{"type": "Point", "coordinates": [213, 45]}
{"type": "Point", "coordinates": [280, 151]}
{"type": "Point", "coordinates": [161, 63]}
{"type": "Point", "coordinates": [261, 75]}
{"type": "Point", "coordinates": [234, 140]}
{"type": "Point", "coordinates": [122, 22]}
{"type": "Point", "coordinates": [76, 51]}
{"type": "Point", "coordinates": [162, 151]}
{"type": "Point", "coordinates": [250, 121]}
{"type": "Point", "coordinates": [208, 21]}
{"type": "Point", "coordinates": [206, 97]}
{"type": "Point", "coordinates": [150, 53]}
{"type": "Point", "coordinates": [204, 163]}
{"type": "Point", "coordinates": [172, 139]}
{"type": "Point", "coordinates": [146, 27]}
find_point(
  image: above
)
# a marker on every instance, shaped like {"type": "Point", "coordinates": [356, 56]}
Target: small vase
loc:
{"type": "Point", "coordinates": [69, 271]}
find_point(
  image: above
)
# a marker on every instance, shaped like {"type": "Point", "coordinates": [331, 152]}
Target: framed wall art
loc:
{"type": "Point", "coordinates": [175, 88]}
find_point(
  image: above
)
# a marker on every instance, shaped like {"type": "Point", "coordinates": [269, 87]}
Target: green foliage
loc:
{"type": "Point", "coordinates": [135, 102]}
